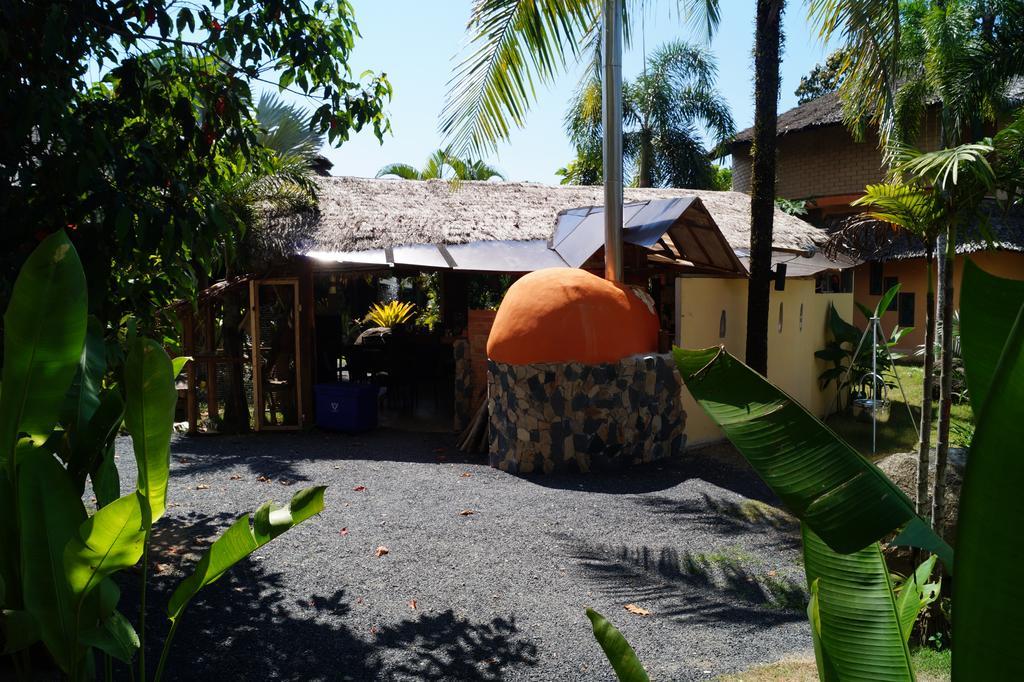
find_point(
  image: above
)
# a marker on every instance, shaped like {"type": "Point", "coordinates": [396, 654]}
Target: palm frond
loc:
{"type": "Point", "coordinates": [400, 170]}
{"type": "Point", "coordinates": [514, 45]}
{"type": "Point", "coordinates": [284, 128]}
{"type": "Point", "coordinates": [872, 28]}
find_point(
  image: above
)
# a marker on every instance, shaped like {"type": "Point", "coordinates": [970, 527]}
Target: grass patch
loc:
{"type": "Point", "coordinates": [929, 664]}
{"type": "Point", "coordinates": [898, 434]}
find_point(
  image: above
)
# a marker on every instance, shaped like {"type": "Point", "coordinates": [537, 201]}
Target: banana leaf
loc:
{"type": "Point", "coordinates": [986, 621]}
{"type": "Point", "coordinates": [49, 514]}
{"type": "Point", "coordinates": [114, 635]}
{"type": "Point", "coordinates": [44, 331]}
{"type": "Point", "coordinates": [149, 418]}
{"type": "Point", "coordinates": [19, 630]}
{"type": "Point", "coordinates": [988, 305]}
{"type": "Point", "coordinates": [243, 538]}
{"type": "Point", "coordinates": [915, 594]}
{"type": "Point", "coordinates": [108, 541]}
{"type": "Point", "coordinates": [83, 396]}
{"type": "Point", "coordinates": [858, 625]}
{"type": "Point", "coordinates": [826, 671]}
{"type": "Point", "coordinates": [90, 441]}
{"type": "Point", "coordinates": [823, 481]}
{"type": "Point", "coordinates": [620, 654]}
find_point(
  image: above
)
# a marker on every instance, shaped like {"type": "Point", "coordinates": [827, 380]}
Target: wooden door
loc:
{"type": "Point", "coordinates": [276, 356]}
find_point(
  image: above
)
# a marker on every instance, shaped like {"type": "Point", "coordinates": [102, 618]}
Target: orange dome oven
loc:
{"type": "Point", "coordinates": [574, 378]}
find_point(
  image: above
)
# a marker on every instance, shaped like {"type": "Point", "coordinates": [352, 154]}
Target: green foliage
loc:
{"type": "Point", "coordinates": [797, 208]}
{"type": "Point", "coordinates": [722, 179]}
{"type": "Point", "coordinates": [57, 558]}
{"type": "Point", "coordinates": [147, 114]}
{"type": "Point", "coordinates": [661, 111]}
{"type": "Point", "coordinates": [390, 314]}
{"type": "Point", "coordinates": [620, 654]}
{"type": "Point", "coordinates": [823, 78]}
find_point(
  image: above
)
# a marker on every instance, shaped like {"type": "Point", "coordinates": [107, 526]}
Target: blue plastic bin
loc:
{"type": "Point", "coordinates": [346, 407]}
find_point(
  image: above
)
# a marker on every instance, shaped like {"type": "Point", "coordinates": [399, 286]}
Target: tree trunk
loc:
{"type": "Point", "coordinates": [767, 48]}
{"type": "Point", "coordinates": [925, 442]}
{"type": "Point", "coordinates": [945, 385]}
{"type": "Point", "coordinates": [644, 163]}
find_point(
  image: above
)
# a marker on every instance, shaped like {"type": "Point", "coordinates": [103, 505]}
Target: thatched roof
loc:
{"type": "Point", "coordinates": [827, 110]}
{"type": "Point", "coordinates": [358, 214]}
{"type": "Point", "coordinates": [871, 240]}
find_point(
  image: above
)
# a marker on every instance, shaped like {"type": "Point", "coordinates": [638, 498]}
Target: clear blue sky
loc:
{"type": "Point", "coordinates": [414, 42]}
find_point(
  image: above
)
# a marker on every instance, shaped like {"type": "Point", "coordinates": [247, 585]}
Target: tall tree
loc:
{"type": "Point", "coordinates": [130, 116]}
{"type": "Point", "coordinates": [661, 111]}
{"type": "Point", "coordinates": [443, 165]}
{"type": "Point", "coordinates": [767, 59]}
{"type": "Point", "coordinates": [823, 78]}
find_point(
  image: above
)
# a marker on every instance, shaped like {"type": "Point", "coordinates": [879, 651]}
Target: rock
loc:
{"type": "Point", "coordinates": [902, 470]}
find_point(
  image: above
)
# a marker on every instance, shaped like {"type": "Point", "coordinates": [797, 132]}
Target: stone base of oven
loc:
{"type": "Point", "coordinates": [574, 417]}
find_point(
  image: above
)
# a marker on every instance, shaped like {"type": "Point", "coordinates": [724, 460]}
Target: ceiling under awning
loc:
{"type": "Point", "coordinates": [675, 232]}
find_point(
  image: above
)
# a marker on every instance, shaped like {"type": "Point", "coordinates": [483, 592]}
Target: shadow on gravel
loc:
{"type": "Point", "coordinates": [245, 627]}
{"type": "Point", "coordinates": [446, 647]}
{"type": "Point", "coordinates": [718, 464]}
{"type": "Point", "coordinates": [728, 517]}
{"type": "Point", "coordinates": [276, 455]}
{"type": "Point", "coordinates": [694, 588]}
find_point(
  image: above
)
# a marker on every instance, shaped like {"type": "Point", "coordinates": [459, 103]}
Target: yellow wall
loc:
{"type": "Point", "coordinates": [912, 275]}
{"type": "Point", "coordinates": [791, 362]}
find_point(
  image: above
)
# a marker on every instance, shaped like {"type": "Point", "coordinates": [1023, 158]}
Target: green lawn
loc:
{"type": "Point", "coordinates": [898, 435]}
{"type": "Point", "coordinates": [930, 666]}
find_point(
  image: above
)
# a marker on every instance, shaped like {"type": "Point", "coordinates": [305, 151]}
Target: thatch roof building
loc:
{"type": "Point", "coordinates": [357, 214]}
{"type": "Point", "coordinates": [827, 110]}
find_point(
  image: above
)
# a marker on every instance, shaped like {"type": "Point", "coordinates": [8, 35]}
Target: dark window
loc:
{"type": "Point", "coordinates": [889, 283]}
{"type": "Point", "coordinates": [906, 303]}
{"type": "Point", "coordinates": [875, 285]}
{"type": "Point", "coordinates": [847, 280]}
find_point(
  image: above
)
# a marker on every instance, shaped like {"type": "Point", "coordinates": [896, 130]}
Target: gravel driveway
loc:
{"type": "Point", "coordinates": [495, 594]}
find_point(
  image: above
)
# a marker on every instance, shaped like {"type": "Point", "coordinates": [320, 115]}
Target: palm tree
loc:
{"type": "Point", "coordinates": [443, 165]}
{"type": "Point", "coordinates": [767, 59]}
{"type": "Point", "coordinates": [661, 109]}
{"type": "Point", "coordinates": [901, 57]}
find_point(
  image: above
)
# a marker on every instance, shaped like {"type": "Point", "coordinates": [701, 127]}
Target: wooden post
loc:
{"type": "Point", "coordinates": [212, 407]}
{"type": "Point", "coordinates": [191, 403]}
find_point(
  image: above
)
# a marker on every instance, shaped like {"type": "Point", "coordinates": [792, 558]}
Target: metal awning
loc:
{"type": "Point", "coordinates": [804, 265]}
{"type": "Point", "coordinates": [678, 230]}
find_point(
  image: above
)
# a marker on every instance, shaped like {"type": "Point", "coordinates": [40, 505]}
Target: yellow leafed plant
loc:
{"type": "Point", "coordinates": [390, 314]}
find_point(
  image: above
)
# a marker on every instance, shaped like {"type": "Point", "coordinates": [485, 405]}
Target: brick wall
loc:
{"type": "Point", "coordinates": [823, 162]}
{"type": "Point", "coordinates": [814, 163]}
{"type": "Point", "coordinates": [478, 329]}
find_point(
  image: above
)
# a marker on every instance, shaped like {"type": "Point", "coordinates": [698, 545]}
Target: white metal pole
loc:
{"type": "Point", "coordinates": [612, 123]}
{"type": "Point", "coordinates": [874, 382]}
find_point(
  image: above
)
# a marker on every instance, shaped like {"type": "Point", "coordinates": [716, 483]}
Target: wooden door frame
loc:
{"type": "Point", "coordinates": [257, 369]}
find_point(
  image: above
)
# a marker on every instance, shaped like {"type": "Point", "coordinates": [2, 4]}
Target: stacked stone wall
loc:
{"type": "Point", "coordinates": [576, 417]}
